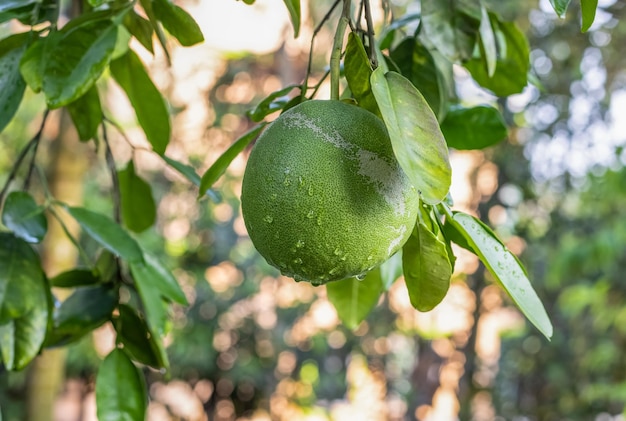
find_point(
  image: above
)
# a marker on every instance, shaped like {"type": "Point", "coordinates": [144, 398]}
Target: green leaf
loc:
{"type": "Point", "coordinates": [145, 98]}
{"type": "Point", "coordinates": [512, 66]}
{"type": "Point", "coordinates": [588, 9]}
{"type": "Point", "coordinates": [178, 22]}
{"type": "Point", "coordinates": [354, 299]}
{"type": "Point", "coordinates": [120, 389]}
{"type": "Point", "coordinates": [417, 64]}
{"type": "Point", "coordinates": [138, 207]}
{"type": "Point", "coordinates": [86, 309]}
{"type": "Point", "coordinates": [107, 233]}
{"type": "Point", "coordinates": [452, 26]}
{"type": "Point", "coordinates": [75, 278]}
{"type": "Point", "coordinates": [162, 279]}
{"type": "Point", "coordinates": [140, 28]}
{"type": "Point", "coordinates": [488, 45]}
{"type": "Point", "coordinates": [358, 71]}
{"type": "Point", "coordinates": [473, 128]}
{"type": "Point", "coordinates": [391, 270]}
{"type": "Point", "coordinates": [415, 135]}
{"type": "Point", "coordinates": [22, 216]}
{"type": "Point", "coordinates": [32, 63]}
{"type": "Point", "coordinates": [273, 102]}
{"type": "Point", "coordinates": [185, 170]}
{"type": "Point", "coordinates": [148, 9]}
{"type": "Point", "coordinates": [12, 84]}
{"type": "Point", "coordinates": [86, 114]}
{"type": "Point", "coordinates": [219, 167]}
{"type": "Point", "coordinates": [75, 60]}
{"type": "Point", "coordinates": [293, 6]}
{"type": "Point", "coordinates": [560, 6]}
{"type": "Point", "coordinates": [24, 302]}
{"type": "Point", "coordinates": [426, 268]}
{"type": "Point", "coordinates": [505, 267]}
{"type": "Point", "coordinates": [134, 334]}
{"type": "Point", "coordinates": [151, 297]}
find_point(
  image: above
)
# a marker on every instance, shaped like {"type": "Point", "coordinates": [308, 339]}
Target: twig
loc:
{"type": "Point", "coordinates": [370, 34]}
{"type": "Point", "coordinates": [335, 57]}
{"type": "Point", "coordinates": [33, 142]}
{"type": "Point", "coordinates": [117, 212]}
{"type": "Point", "coordinates": [121, 131]}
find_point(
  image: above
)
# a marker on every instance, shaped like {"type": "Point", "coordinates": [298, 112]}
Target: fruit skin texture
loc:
{"type": "Point", "coordinates": [323, 197]}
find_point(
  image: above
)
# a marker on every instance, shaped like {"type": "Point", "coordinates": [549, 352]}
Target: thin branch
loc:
{"type": "Point", "coordinates": [335, 57]}
{"type": "Point", "coordinates": [31, 166]}
{"type": "Point", "coordinates": [370, 34]}
{"type": "Point", "coordinates": [117, 210]}
{"type": "Point", "coordinates": [33, 142]}
{"type": "Point", "coordinates": [121, 131]}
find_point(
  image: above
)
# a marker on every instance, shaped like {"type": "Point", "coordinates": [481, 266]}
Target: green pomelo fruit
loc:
{"type": "Point", "coordinates": [323, 196]}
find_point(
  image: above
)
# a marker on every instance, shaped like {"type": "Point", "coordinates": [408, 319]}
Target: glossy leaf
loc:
{"type": "Point", "coordinates": [417, 64]}
{"type": "Point", "coordinates": [107, 233]}
{"type": "Point", "coordinates": [76, 59]}
{"type": "Point", "coordinates": [512, 66]}
{"type": "Point", "coordinates": [12, 84]}
{"type": "Point", "coordinates": [275, 101]}
{"type": "Point", "coordinates": [24, 302]}
{"type": "Point", "coordinates": [219, 167]}
{"type": "Point", "coordinates": [86, 309]}
{"type": "Point", "coordinates": [415, 135]}
{"type": "Point", "coordinates": [75, 278]}
{"type": "Point", "coordinates": [140, 28]}
{"type": "Point", "coordinates": [138, 207]}
{"type": "Point", "coordinates": [293, 6]}
{"type": "Point", "coordinates": [156, 26]}
{"type": "Point", "coordinates": [134, 334]}
{"type": "Point", "coordinates": [152, 113]}
{"type": "Point", "coordinates": [151, 297]}
{"type": "Point", "coordinates": [358, 71]}
{"type": "Point", "coordinates": [354, 299]}
{"type": "Point", "coordinates": [120, 389]}
{"type": "Point", "coordinates": [163, 280]}
{"type": "Point", "coordinates": [488, 45]}
{"type": "Point", "coordinates": [86, 113]}
{"type": "Point", "coordinates": [588, 10]}
{"type": "Point", "coordinates": [185, 170]}
{"type": "Point", "coordinates": [473, 128]}
{"type": "Point", "coordinates": [22, 216]}
{"type": "Point", "coordinates": [452, 26]}
{"type": "Point", "coordinates": [505, 267]}
{"type": "Point", "coordinates": [32, 63]}
{"type": "Point", "coordinates": [178, 22]}
{"type": "Point", "coordinates": [560, 6]}
{"type": "Point", "coordinates": [426, 268]}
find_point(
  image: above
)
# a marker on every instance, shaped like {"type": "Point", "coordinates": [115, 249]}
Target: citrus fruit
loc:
{"type": "Point", "coordinates": [323, 197]}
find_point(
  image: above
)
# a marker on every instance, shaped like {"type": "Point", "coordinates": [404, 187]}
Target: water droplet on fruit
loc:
{"type": "Point", "coordinates": [273, 196]}
{"type": "Point", "coordinates": [334, 271]}
{"type": "Point", "coordinates": [360, 277]}
{"type": "Point", "coordinates": [300, 182]}
{"type": "Point", "coordinates": [337, 251]}
{"type": "Point", "coordinates": [310, 191]}
{"type": "Point", "coordinates": [311, 214]}
{"type": "Point", "coordinates": [370, 257]}
{"type": "Point", "coordinates": [268, 218]}
{"type": "Point", "coordinates": [300, 244]}
{"type": "Point", "coordinates": [319, 220]}
{"type": "Point", "coordinates": [297, 261]}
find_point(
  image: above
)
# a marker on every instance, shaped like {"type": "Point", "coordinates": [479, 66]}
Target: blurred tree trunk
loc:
{"type": "Point", "coordinates": [68, 164]}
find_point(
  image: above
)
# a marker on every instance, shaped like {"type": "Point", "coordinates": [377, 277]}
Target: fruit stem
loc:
{"type": "Point", "coordinates": [335, 57]}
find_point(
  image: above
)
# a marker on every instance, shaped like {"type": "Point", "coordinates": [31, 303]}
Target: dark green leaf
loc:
{"type": "Point", "coordinates": [107, 233]}
{"type": "Point", "coordinates": [560, 6]}
{"type": "Point", "coordinates": [293, 6]}
{"type": "Point", "coordinates": [417, 64]}
{"type": "Point", "coordinates": [177, 22]}
{"type": "Point", "coordinates": [145, 98]}
{"type": "Point", "coordinates": [147, 7]}
{"type": "Point", "coordinates": [186, 170]}
{"type": "Point", "coordinates": [32, 64]}
{"type": "Point", "coordinates": [274, 102]}
{"type": "Point", "coordinates": [473, 128]}
{"type": "Point", "coordinates": [415, 135]}
{"type": "Point", "coordinates": [505, 268]}
{"type": "Point", "coordinates": [162, 279]}
{"type": "Point", "coordinates": [24, 302]}
{"type": "Point", "coordinates": [488, 45]}
{"type": "Point", "coordinates": [354, 299]}
{"type": "Point", "coordinates": [426, 268]}
{"type": "Point", "coordinates": [138, 207]}
{"type": "Point", "coordinates": [76, 59]}
{"type": "Point", "coordinates": [75, 278]}
{"type": "Point", "coordinates": [12, 84]}
{"type": "Point", "coordinates": [151, 297]}
{"type": "Point", "coordinates": [120, 389]}
{"type": "Point", "coordinates": [140, 28]}
{"type": "Point", "coordinates": [588, 9]}
{"type": "Point", "coordinates": [86, 114]}
{"type": "Point", "coordinates": [452, 26]}
{"type": "Point", "coordinates": [22, 216]}
{"type": "Point", "coordinates": [511, 75]}
{"type": "Point", "coordinates": [107, 266]}
{"type": "Point", "coordinates": [134, 334]}
{"type": "Point", "coordinates": [358, 71]}
{"type": "Point", "coordinates": [219, 167]}
{"type": "Point", "coordinates": [83, 311]}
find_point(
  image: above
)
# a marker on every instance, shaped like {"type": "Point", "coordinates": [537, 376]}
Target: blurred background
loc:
{"type": "Point", "coordinates": [253, 345]}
